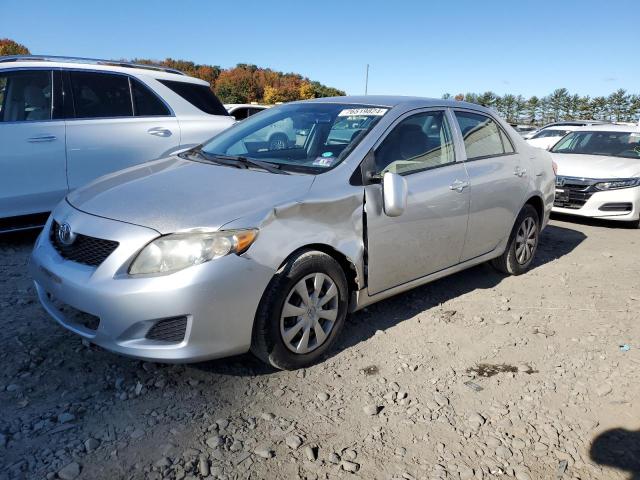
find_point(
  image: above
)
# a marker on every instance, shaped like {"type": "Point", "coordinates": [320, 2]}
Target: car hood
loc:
{"type": "Point", "coordinates": [596, 166]}
{"type": "Point", "coordinates": [175, 194]}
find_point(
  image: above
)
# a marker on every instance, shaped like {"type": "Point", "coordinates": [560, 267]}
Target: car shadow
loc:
{"type": "Point", "coordinates": [19, 239]}
{"type": "Point", "coordinates": [592, 222]}
{"type": "Point", "coordinates": [555, 242]}
{"type": "Point", "coordinates": [618, 448]}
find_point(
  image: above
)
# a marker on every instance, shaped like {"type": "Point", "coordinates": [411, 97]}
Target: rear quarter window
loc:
{"type": "Point", "coordinates": [200, 96]}
{"type": "Point", "coordinates": [146, 103]}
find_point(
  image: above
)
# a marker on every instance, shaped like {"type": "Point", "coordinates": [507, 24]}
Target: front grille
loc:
{"type": "Point", "coordinates": [575, 192]}
{"type": "Point", "coordinates": [84, 249]}
{"type": "Point", "coordinates": [74, 316]}
{"type": "Point", "coordinates": [168, 330]}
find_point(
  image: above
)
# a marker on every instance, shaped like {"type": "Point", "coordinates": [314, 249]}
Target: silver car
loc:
{"type": "Point", "coordinates": [232, 247]}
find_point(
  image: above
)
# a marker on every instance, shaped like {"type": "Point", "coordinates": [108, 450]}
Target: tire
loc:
{"type": "Point", "coordinates": [278, 141]}
{"type": "Point", "coordinates": [304, 270]}
{"type": "Point", "coordinates": [514, 260]}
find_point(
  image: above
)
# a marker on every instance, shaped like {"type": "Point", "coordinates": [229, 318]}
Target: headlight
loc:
{"type": "Point", "coordinates": [622, 183]}
{"type": "Point", "coordinates": [181, 250]}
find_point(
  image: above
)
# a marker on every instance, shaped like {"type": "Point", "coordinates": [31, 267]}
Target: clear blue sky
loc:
{"type": "Point", "coordinates": [414, 47]}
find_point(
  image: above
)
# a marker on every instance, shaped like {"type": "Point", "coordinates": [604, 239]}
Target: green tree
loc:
{"type": "Point", "coordinates": [487, 99]}
{"type": "Point", "coordinates": [531, 109]}
{"type": "Point", "coordinates": [619, 105]}
{"type": "Point", "coordinates": [634, 108]}
{"type": "Point", "coordinates": [558, 103]}
{"type": "Point", "coordinates": [600, 108]}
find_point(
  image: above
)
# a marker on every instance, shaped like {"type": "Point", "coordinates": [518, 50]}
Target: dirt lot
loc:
{"type": "Point", "coordinates": [561, 399]}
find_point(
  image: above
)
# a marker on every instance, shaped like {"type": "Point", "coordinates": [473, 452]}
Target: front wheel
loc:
{"type": "Point", "coordinates": [523, 243]}
{"type": "Point", "coordinates": [301, 312]}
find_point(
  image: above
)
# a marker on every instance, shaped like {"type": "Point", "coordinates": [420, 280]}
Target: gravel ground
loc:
{"type": "Point", "coordinates": [476, 376]}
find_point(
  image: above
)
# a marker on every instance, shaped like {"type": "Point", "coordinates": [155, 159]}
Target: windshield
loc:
{"type": "Point", "coordinates": [307, 137]}
{"type": "Point", "coordinates": [612, 144]}
{"type": "Point", "coordinates": [550, 133]}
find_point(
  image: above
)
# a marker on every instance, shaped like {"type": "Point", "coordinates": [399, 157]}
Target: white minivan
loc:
{"type": "Point", "coordinates": [67, 121]}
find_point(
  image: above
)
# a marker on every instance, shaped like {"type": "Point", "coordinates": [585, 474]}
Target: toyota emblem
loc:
{"type": "Point", "coordinates": [65, 235]}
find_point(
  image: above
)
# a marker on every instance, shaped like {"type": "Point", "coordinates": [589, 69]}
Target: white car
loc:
{"type": "Point", "coordinates": [549, 136]}
{"type": "Point", "coordinates": [599, 173]}
{"type": "Point", "coordinates": [67, 121]}
{"type": "Point", "coordinates": [564, 123]}
{"type": "Point", "coordinates": [240, 111]}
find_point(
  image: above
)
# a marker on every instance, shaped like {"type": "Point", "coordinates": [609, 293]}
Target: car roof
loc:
{"type": "Point", "coordinates": [39, 61]}
{"type": "Point", "coordinates": [391, 101]}
{"type": "Point", "coordinates": [610, 127]}
{"type": "Point", "coordinates": [242, 105]}
{"type": "Point", "coordinates": [562, 127]}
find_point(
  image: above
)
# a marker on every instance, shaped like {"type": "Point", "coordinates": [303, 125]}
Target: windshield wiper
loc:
{"type": "Point", "coordinates": [197, 151]}
{"type": "Point", "coordinates": [247, 162]}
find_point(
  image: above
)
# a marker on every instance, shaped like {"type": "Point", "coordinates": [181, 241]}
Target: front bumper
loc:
{"type": "Point", "coordinates": [219, 299]}
{"type": "Point", "coordinates": [622, 204]}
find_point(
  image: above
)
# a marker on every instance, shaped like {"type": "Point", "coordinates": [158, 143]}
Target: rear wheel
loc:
{"type": "Point", "coordinates": [523, 243]}
{"type": "Point", "coordinates": [301, 312]}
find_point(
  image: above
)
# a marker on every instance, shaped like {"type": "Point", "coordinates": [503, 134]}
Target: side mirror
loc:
{"type": "Point", "coordinates": [394, 193]}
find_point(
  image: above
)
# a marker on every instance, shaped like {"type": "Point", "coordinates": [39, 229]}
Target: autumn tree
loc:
{"type": "Point", "coordinates": [306, 91]}
{"type": "Point", "coordinates": [9, 47]}
{"type": "Point", "coordinates": [238, 85]}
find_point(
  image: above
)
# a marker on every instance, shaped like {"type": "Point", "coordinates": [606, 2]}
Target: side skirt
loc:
{"type": "Point", "coordinates": [363, 299]}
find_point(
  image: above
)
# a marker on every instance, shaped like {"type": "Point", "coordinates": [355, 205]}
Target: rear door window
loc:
{"type": "Point", "coordinates": [200, 96]}
{"type": "Point", "coordinates": [101, 95]}
{"type": "Point", "coordinates": [482, 136]}
{"type": "Point", "coordinates": [25, 96]}
{"type": "Point", "coordinates": [146, 103]}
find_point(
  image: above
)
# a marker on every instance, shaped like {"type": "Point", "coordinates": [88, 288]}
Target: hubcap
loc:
{"type": "Point", "coordinates": [309, 313]}
{"type": "Point", "coordinates": [526, 241]}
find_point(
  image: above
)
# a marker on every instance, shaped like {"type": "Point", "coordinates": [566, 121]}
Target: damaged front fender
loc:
{"type": "Point", "coordinates": [333, 219]}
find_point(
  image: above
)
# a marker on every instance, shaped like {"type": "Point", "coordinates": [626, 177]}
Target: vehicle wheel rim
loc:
{"type": "Point", "coordinates": [309, 313]}
{"type": "Point", "coordinates": [526, 241]}
{"type": "Point", "coordinates": [277, 144]}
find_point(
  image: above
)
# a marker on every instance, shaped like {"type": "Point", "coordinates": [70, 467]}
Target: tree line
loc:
{"type": "Point", "coordinates": [243, 83]}
{"type": "Point", "coordinates": [247, 83]}
{"type": "Point", "coordinates": [620, 106]}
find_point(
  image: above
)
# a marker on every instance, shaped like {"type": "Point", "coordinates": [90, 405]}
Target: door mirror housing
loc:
{"type": "Point", "coordinates": [394, 193]}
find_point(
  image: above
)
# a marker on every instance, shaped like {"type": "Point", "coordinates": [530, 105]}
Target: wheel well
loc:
{"type": "Point", "coordinates": [348, 267]}
{"type": "Point", "coordinates": [536, 202]}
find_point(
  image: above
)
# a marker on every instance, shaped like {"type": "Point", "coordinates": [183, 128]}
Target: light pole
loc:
{"type": "Point", "coordinates": [366, 80]}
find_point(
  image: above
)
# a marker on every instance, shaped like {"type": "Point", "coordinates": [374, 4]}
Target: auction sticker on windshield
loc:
{"type": "Point", "coordinates": [371, 112]}
{"type": "Point", "coordinates": [324, 161]}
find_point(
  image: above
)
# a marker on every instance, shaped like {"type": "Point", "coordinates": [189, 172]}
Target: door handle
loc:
{"type": "Point", "coordinates": [458, 186]}
{"type": "Point", "coordinates": [520, 172]}
{"type": "Point", "coordinates": [41, 138]}
{"type": "Point", "coordinates": [159, 132]}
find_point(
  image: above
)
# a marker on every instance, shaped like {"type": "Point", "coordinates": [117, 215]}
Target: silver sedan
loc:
{"type": "Point", "coordinates": [241, 245]}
